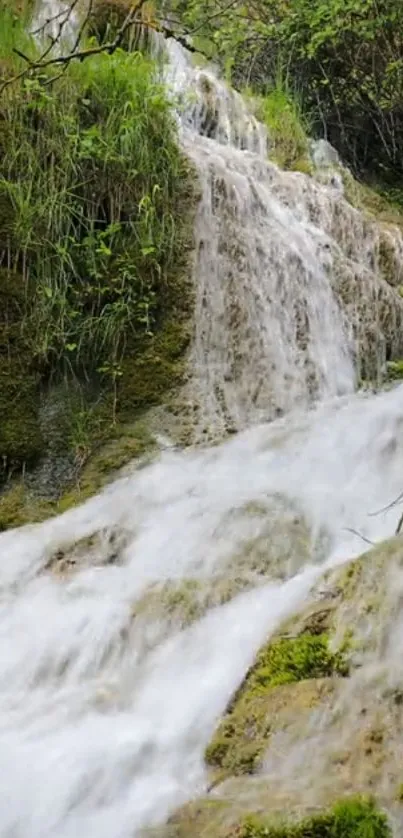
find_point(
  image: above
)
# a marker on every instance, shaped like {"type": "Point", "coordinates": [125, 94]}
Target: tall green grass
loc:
{"type": "Point", "coordinates": [280, 109]}
{"type": "Point", "coordinates": [91, 180]}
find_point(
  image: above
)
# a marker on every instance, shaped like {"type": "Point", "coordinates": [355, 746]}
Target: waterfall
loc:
{"type": "Point", "coordinates": [290, 296]}
{"type": "Point", "coordinates": [126, 624]}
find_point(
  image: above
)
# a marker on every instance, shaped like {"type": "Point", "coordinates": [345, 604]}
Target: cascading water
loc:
{"type": "Point", "coordinates": [107, 699]}
{"type": "Point", "coordinates": [289, 286]}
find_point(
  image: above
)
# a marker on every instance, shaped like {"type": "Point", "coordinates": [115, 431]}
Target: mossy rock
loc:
{"type": "Point", "coordinates": [369, 200]}
{"type": "Point", "coordinates": [354, 818]}
{"type": "Point", "coordinates": [17, 507]}
{"type": "Point", "coordinates": [20, 504]}
{"type": "Point", "coordinates": [21, 441]}
{"type": "Point", "coordinates": [243, 734]}
{"type": "Point", "coordinates": [107, 17]}
{"type": "Point", "coordinates": [160, 367]}
{"type": "Point", "coordinates": [182, 602]}
{"type": "Point", "coordinates": [302, 164]}
{"type": "Point", "coordinates": [395, 370]}
{"type": "Point", "coordinates": [389, 256]}
{"type": "Point", "coordinates": [350, 817]}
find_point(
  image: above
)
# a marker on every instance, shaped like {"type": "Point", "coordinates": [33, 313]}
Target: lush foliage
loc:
{"type": "Point", "coordinates": [95, 231]}
{"type": "Point", "coordinates": [87, 186]}
{"type": "Point", "coordinates": [280, 110]}
{"type": "Point", "coordinates": [351, 818]}
{"type": "Point", "coordinates": [344, 56]}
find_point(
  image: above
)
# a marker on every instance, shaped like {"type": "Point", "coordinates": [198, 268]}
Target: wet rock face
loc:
{"type": "Point", "coordinates": [297, 289]}
{"type": "Point", "coordinates": [327, 685]}
{"type": "Point", "coordinates": [323, 154]}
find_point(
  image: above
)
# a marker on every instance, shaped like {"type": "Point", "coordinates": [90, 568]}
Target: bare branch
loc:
{"type": "Point", "coordinates": [211, 17]}
{"type": "Point", "coordinates": [49, 20]}
{"type": "Point", "coordinates": [43, 62]}
{"type": "Point", "coordinates": [133, 17]}
{"type": "Point", "coordinates": [355, 532]}
{"type": "Point", "coordinates": [386, 508]}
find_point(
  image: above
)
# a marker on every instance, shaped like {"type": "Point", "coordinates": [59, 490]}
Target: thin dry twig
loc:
{"type": "Point", "coordinates": [43, 62]}
{"type": "Point", "coordinates": [360, 535]}
{"type": "Point", "coordinates": [386, 508]}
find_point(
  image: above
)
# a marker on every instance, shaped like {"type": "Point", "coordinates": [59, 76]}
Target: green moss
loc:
{"type": "Point", "coordinates": [395, 370]}
{"type": "Point", "coordinates": [159, 366]}
{"type": "Point", "coordinates": [294, 659]}
{"type": "Point", "coordinates": [182, 602]}
{"type": "Point", "coordinates": [352, 818]}
{"type": "Point", "coordinates": [19, 507]}
{"type": "Point", "coordinates": [302, 164]}
{"type": "Point", "coordinates": [21, 441]}
{"type": "Point", "coordinates": [130, 442]}
{"type": "Point", "coordinates": [242, 736]}
{"type": "Point", "coordinates": [349, 577]}
{"type": "Point", "coordinates": [369, 200]}
{"type": "Point", "coordinates": [399, 793]}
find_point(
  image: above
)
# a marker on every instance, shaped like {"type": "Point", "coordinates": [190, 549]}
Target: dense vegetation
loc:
{"type": "Point", "coordinates": [95, 229]}
{"type": "Point", "coordinates": [342, 58]}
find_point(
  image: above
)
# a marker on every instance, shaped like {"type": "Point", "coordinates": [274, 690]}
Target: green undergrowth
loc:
{"type": "Point", "coordinates": [394, 370]}
{"type": "Point", "coordinates": [96, 231]}
{"type": "Point", "coordinates": [368, 198]}
{"type": "Point", "coordinates": [352, 818]}
{"type": "Point", "coordinates": [242, 735]}
{"type": "Point", "coordinates": [287, 127]}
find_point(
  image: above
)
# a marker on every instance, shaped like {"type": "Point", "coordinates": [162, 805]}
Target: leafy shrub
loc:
{"type": "Point", "coordinates": [344, 56]}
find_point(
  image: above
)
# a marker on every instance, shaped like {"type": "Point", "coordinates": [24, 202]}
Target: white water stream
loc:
{"type": "Point", "coordinates": [104, 715]}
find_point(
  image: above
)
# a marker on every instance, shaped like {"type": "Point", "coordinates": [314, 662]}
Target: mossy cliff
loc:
{"type": "Point", "coordinates": [242, 736]}
{"type": "Point", "coordinates": [313, 736]}
{"type": "Point", "coordinates": [96, 229]}
{"type": "Point", "coordinates": [20, 436]}
{"type": "Point", "coordinates": [355, 817]}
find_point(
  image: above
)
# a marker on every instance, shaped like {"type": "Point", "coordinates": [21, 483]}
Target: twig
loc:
{"type": "Point", "coordinates": [355, 532]}
{"type": "Point", "coordinates": [221, 11]}
{"type": "Point", "coordinates": [400, 525]}
{"type": "Point", "coordinates": [48, 21]}
{"type": "Point", "coordinates": [75, 53]}
{"type": "Point", "coordinates": [131, 18]}
{"type": "Point", "coordinates": [386, 508]}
